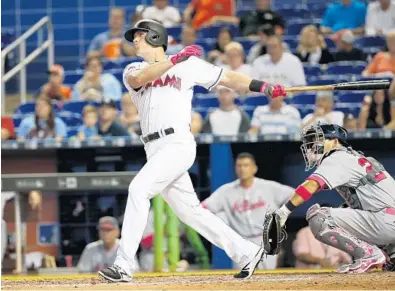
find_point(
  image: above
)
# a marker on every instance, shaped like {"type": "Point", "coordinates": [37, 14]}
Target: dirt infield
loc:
{"type": "Point", "coordinates": [263, 280]}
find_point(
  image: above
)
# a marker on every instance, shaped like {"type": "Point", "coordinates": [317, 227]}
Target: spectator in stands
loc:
{"type": "Point", "coordinates": [346, 50]}
{"type": "Point", "coordinates": [383, 63]}
{"type": "Point", "coordinates": [108, 125]}
{"type": "Point", "coordinates": [201, 13]}
{"type": "Point", "coordinates": [312, 47]}
{"type": "Point", "coordinates": [129, 117]}
{"type": "Point", "coordinates": [376, 110]}
{"type": "Point", "coordinates": [217, 55]}
{"type": "Point", "coordinates": [235, 57]}
{"type": "Point", "coordinates": [7, 128]}
{"type": "Point", "coordinates": [43, 124]}
{"type": "Point", "coordinates": [324, 111]}
{"type": "Point", "coordinates": [312, 254]}
{"type": "Point", "coordinates": [111, 44]}
{"type": "Point", "coordinates": [188, 37]}
{"type": "Point", "coordinates": [228, 119]}
{"type": "Point", "coordinates": [89, 129]}
{"type": "Point", "coordinates": [253, 20]}
{"type": "Point", "coordinates": [275, 118]}
{"type": "Point", "coordinates": [278, 66]}
{"type": "Point", "coordinates": [345, 14]}
{"type": "Point", "coordinates": [101, 254]}
{"type": "Point", "coordinates": [259, 49]}
{"type": "Point", "coordinates": [162, 12]}
{"type": "Point", "coordinates": [350, 122]}
{"type": "Point", "coordinates": [95, 85]}
{"type": "Point", "coordinates": [380, 18]}
{"type": "Point", "coordinates": [55, 89]}
{"type": "Point", "coordinates": [196, 122]}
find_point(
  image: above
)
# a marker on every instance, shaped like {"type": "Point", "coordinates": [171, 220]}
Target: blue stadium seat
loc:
{"type": "Point", "coordinates": [349, 108]}
{"type": "Point", "coordinates": [294, 27]}
{"type": "Point", "coordinates": [77, 106]}
{"type": "Point", "coordinates": [291, 41]}
{"type": "Point", "coordinates": [293, 11]}
{"type": "Point", "coordinates": [118, 104]}
{"type": "Point", "coordinates": [330, 43]}
{"type": "Point", "coordinates": [249, 110]}
{"type": "Point", "coordinates": [72, 77]}
{"type": "Point", "coordinates": [370, 41]}
{"type": "Point", "coordinates": [26, 108]}
{"type": "Point", "coordinates": [17, 119]}
{"type": "Point", "coordinates": [202, 111]}
{"type": "Point", "coordinates": [317, 9]}
{"type": "Point", "coordinates": [205, 101]}
{"type": "Point", "coordinates": [207, 43]}
{"type": "Point", "coordinates": [304, 98]}
{"type": "Point", "coordinates": [351, 97]}
{"type": "Point", "coordinates": [312, 70]}
{"type": "Point", "coordinates": [71, 119]}
{"type": "Point", "coordinates": [200, 90]}
{"type": "Point", "coordinates": [212, 31]}
{"type": "Point", "coordinates": [175, 32]}
{"type": "Point", "coordinates": [246, 43]}
{"type": "Point", "coordinates": [344, 68]}
{"type": "Point", "coordinates": [257, 100]}
{"type": "Point", "coordinates": [328, 80]}
{"type": "Point", "coordinates": [72, 131]}
{"type": "Point", "coordinates": [305, 109]}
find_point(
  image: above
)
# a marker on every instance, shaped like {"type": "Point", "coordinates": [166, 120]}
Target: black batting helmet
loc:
{"type": "Point", "coordinates": [156, 33]}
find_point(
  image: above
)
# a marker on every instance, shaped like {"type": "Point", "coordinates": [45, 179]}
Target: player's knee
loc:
{"type": "Point", "coordinates": [318, 219]}
{"type": "Point", "coordinates": [138, 190]}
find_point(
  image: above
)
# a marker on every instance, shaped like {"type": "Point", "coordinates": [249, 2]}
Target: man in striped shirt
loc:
{"type": "Point", "coordinates": [275, 118]}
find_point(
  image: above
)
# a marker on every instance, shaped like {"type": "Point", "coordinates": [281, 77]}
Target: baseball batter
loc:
{"type": "Point", "coordinates": [369, 190]}
{"type": "Point", "coordinates": [162, 88]}
{"type": "Point", "coordinates": [243, 203]}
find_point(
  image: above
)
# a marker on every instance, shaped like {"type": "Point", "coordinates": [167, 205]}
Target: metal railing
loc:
{"type": "Point", "coordinates": [24, 60]}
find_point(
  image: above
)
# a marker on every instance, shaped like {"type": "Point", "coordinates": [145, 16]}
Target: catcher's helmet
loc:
{"type": "Point", "coordinates": [313, 138]}
{"type": "Point", "coordinates": [156, 33]}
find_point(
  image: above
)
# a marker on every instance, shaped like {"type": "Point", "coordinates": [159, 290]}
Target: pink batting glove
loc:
{"type": "Point", "coordinates": [185, 53]}
{"type": "Point", "coordinates": [273, 91]}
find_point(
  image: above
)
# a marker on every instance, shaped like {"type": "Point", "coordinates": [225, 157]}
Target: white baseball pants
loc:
{"type": "Point", "coordinates": [168, 160]}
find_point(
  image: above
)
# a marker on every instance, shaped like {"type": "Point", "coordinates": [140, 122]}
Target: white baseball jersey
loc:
{"type": "Point", "coordinates": [361, 181]}
{"type": "Point", "coordinates": [245, 209]}
{"type": "Point", "coordinates": [167, 101]}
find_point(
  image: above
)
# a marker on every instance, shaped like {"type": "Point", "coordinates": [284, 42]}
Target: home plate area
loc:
{"type": "Point", "coordinates": [282, 279]}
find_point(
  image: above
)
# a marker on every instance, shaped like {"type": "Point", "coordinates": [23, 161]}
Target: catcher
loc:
{"type": "Point", "coordinates": [366, 229]}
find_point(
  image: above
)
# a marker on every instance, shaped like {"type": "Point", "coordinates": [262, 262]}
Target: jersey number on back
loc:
{"type": "Point", "coordinates": [377, 173]}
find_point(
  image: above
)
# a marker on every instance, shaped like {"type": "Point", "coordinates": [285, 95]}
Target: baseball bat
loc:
{"type": "Point", "coordinates": [348, 86]}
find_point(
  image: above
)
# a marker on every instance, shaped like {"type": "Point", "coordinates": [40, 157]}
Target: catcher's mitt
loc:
{"type": "Point", "coordinates": [273, 234]}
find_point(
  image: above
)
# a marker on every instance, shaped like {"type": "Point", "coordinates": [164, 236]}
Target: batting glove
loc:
{"type": "Point", "coordinates": [185, 53]}
{"type": "Point", "coordinates": [273, 91]}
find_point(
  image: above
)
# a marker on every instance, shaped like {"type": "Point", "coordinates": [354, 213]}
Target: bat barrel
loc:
{"type": "Point", "coordinates": [363, 85]}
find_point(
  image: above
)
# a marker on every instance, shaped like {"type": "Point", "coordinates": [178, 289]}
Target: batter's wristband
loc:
{"type": "Point", "coordinates": [303, 193]}
{"type": "Point", "coordinates": [258, 86]}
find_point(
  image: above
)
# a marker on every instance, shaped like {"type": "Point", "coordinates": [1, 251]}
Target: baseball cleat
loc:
{"type": "Point", "coordinates": [249, 269]}
{"type": "Point", "coordinates": [115, 274]}
{"type": "Point", "coordinates": [368, 263]}
{"type": "Point", "coordinates": [389, 266]}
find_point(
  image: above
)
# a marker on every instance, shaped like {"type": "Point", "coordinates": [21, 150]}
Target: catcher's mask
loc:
{"type": "Point", "coordinates": [313, 141]}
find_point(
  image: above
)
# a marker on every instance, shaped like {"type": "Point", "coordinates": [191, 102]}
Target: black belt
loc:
{"type": "Point", "coordinates": [156, 135]}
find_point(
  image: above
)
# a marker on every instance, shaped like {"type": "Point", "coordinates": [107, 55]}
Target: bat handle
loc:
{"type": "Point", "coordinates": [310, 88]}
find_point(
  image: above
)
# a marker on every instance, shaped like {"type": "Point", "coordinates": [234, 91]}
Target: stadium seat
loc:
{"type": "Point", "coordinates": [295, 26]}
{"type": "Point", "coordinates": [72, 77]}
{"type": "Point", "coordinates": [330, 43]}
{"type": "Point", "coordinates": [71, 119]}
{"type": "Point", "coordinates": [26, 108]}
{"type": "Point", "coordinates": [349, 108]}
{"type": "Point", "coordinates": [77, 106]}
{"type": "Point", "coordinates": [289, 12]}
{"type": "Point", "coordinates": [328, 80]}
{"type": "Point", "coordinates": [305, 109]}
{"type": "Point", "coordinates": [312, 70]}
{"type": "Point", "coordinates": [351, 97]}
{"type": "Point", "coordinates": [212, 31]}
{"type": "Point", "coordinates": [317, 10]}
{"type": "Point", "coordinates": [292, 42]}
{"type": "Point", "coordinates": [175, 31]}
{"type": "Point", "coordinates": [202, 111]}
{"type": "Point", "coordinates": [344, 68]}
{"type": "Point", "coordinates": [17, 119]}
{"type": "Point", "coordinates": [207, 43]}
{"type": "Point", "coordinates": [72, 131]}
{"type": "Point", "coordinates": [370, 41]}
{"type": "Point", "coordinates": [257, 100]}
{"type": "Point", "coordinates": [249, 110]}
{"type": "Point", "coordinates": [205, 101]}
{"type": "Point", "coordinates": [246, 43]}
{"type": "Point", "coordinates": [305, 98]}
{"type": "Point", "coordinates": [200, 90]}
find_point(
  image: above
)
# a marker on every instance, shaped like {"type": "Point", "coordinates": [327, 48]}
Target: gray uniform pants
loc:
{"type": "Point", "coordinates": [376, 228]}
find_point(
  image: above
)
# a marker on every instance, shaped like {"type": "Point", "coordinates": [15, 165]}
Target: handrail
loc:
{"type": "Point", "coordinates": [25, 60]}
